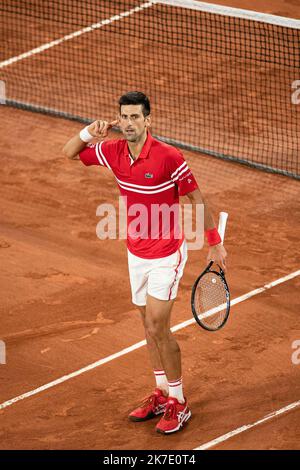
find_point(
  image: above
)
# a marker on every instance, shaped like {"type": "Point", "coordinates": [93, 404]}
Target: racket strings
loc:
{"type": "Point", "coordinates": [211, 300]}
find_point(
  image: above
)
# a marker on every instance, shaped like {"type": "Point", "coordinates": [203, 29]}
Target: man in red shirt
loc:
{"type": "Point", "coordinates": [151, 176]}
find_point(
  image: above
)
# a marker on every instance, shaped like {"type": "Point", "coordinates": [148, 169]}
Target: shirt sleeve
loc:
{"type": "Point", "coordinates": [95, 154]}
{"type": "Point", "coordinates": [181, 174]}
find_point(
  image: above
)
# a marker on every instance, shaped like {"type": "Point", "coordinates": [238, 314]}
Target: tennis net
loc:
{"type": "Point", "coordinates": [221, 81]}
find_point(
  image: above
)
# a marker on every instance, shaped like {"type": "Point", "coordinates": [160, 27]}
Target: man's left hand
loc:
{"type": "Point", "coordinates": [217, 253]}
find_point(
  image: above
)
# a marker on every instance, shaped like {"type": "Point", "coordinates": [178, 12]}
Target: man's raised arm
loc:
{"type": "Point", "coordinates": [98, 129]}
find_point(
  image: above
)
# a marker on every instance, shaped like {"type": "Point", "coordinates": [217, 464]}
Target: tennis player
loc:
{"type": "Point", "coordinates": [151, 174]}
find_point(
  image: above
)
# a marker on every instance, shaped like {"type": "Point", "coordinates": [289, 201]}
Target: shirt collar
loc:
{"type": "Point", "coordinates": [146, 147]}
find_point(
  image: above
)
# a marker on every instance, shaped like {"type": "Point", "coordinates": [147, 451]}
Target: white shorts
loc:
{"type": "Point", "coordinates": [157, 277]}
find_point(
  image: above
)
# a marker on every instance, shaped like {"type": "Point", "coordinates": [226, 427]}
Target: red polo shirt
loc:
{"type": "Point", "coordinates": [151, 186]}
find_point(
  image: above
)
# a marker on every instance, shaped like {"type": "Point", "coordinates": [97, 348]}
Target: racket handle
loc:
{"type": "Point", "coordinates": [222, 224]}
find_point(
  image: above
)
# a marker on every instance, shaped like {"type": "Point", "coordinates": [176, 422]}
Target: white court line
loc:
{"type": "Point", "coordinates": [125, 351]}
{"type": "Point", "coordinates": [87, 29]}
{"type": "Point", "coordinates": [230, 434]}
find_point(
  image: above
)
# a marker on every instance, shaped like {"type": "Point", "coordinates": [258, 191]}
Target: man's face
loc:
{"type": "Point", "coordinates": [132, 122]}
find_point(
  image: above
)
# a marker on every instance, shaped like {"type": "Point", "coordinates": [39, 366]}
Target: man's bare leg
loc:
{"type": "Point", "coordinates": [163, 347]}
{"type": "Point", "coordinates": [151, 344]}
{"type": "Point", "coordinates": [165, 355]}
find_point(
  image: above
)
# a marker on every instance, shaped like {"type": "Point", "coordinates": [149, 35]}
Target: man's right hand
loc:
{"type": "Point", "coordinates": [99, 129]}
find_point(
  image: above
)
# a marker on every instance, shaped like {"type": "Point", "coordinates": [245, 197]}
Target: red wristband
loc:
{"type": "Point", "coordinates": [213, 237]}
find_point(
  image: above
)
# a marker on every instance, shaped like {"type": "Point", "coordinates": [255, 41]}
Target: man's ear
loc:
{"type": "Point", "coordinates": [148, 121]}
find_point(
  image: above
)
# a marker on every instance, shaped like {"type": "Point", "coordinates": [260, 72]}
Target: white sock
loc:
{"type": "Point", "coordinates": [176, 389]}
{"type": "Point", "coordinates": [161, 381]}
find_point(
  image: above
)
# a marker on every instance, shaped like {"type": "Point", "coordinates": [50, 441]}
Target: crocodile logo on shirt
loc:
{"type": "Point", "coordinates": [148, 175]}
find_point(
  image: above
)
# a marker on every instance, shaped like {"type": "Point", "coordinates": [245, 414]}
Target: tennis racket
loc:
{"type": "Point", "coordinates": [210, 294]}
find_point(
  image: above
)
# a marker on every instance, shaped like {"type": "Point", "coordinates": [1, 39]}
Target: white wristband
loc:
{"type": "Point", "coordinates": [85, 136]}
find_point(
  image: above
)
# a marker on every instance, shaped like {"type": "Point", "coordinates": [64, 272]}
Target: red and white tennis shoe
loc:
{"type": "Point", "coordinates": [175, 416]}
{"type": "Point", "coordinates": [153, 405]}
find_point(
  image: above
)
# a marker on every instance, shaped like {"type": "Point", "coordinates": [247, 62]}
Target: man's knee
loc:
{"type": "Point", "coordinates": [157, 320]}
{"type": "Point", "coordinates": [156, 330]}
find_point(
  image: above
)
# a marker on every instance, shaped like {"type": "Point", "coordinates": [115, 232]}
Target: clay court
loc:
{"type": "Point", "coordinates": [66, 306]}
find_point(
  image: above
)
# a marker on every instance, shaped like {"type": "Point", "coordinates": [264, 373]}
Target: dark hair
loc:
{"type": "Point", "coordinates": [136, 97]}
